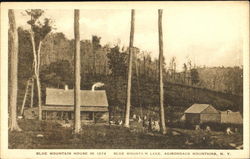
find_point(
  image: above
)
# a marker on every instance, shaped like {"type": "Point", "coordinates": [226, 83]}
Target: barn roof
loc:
{"type": "Point", "coordinates": [198, 108]}
{"type": "Point", "coordinates": [66, 97]}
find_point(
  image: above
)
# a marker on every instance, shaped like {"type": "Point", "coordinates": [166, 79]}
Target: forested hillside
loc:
{"type": "Point", "coordinates": [224, 79]}
{"type": "Point", "coordinates": [219, 86]}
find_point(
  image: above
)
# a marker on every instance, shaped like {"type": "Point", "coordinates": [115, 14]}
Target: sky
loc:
{"type": "Point", "coordinates": [211, 35]}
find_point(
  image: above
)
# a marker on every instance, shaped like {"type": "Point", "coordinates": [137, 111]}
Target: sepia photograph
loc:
{"type": "Point", "coordinates": [125, 80]}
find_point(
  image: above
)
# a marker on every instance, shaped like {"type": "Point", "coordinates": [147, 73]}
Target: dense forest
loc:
{"type": "Point", "coordinates": [220, 86]}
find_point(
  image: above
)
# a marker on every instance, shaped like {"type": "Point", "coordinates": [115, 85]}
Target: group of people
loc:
{"type": "Point", "coordinates": [229, 130]}
{"type": "Point", "coordinates": [207, 129]}
{"type": "Point", "coordinates": [147, 122]}
{"type": "Point", "coordinates": [150, 124]}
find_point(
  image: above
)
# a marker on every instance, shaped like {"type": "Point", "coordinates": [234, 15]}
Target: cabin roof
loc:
{"type": "Point", "coordinates": [64, 97]}
{"type": "Point", "coordinates": [71, 108]}
{"type": "Point", "coordinates": [199, 108]}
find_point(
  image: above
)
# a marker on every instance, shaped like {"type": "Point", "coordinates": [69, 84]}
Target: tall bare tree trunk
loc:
{"type": "Point", "coordinates": [25, 96]}
{"type": "Point", "coordinates": [39, 96]}
{"type": "Point", "coordinates": [144, 65]}
{"type": "Point", "coordinates": [32, 93]}
{"type": "Point", "coordinates": [36, 54]}
{"type": "Point", "coordinates": [162, 115]}
{"type": "Point", "coordinates": [94, 61]}
{"type": "Point", "coordinates": [105, 68]}
{"type": "Point", "coordinates": [13, 70]}
{"type": "Point", "coordinates": [156, 67]}
{"type": "Point", "coordinates": [77, 90]}
{"type": "Point", "coordinates": [126, 124]}
{"type": "Point", "coordinates": [37, 74]}
{"type": "Point", "coordinates": [137, 67]}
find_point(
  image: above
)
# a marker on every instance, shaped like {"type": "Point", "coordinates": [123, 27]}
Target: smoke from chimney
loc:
{"type": "Point", "coordinates": [66, 87]}
{"type": "Point", "coordinates": [96, 85]}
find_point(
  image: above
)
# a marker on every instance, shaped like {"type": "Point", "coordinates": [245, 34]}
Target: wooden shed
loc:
{"type": "Point", "coordinates": [231, 117]}
{"type": "Point", "coordinates": [59, 105]}
{"type": "Point", "coordinates": [202, 113]}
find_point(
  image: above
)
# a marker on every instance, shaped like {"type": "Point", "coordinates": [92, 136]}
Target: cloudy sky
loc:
{"type": "Point", "coordinates": [210, 34]}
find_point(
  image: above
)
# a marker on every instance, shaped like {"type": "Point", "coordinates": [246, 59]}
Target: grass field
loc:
{"type": "Point", "coordinates": [114, 137]}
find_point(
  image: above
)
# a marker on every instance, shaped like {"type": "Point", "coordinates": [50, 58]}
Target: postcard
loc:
{"type": "Point", "coordinates": [125, 79]}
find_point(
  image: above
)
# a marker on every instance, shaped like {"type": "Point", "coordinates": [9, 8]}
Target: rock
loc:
{"type": "Point", "coordinates": [132, 130]}
{"type": "Point", "coordinates": [228, 131]}
{"type": "Point", "coordinates": [197, 127]}
{"type": "Point", "coordinates": [240, 147]}
{"type": "Point", "coordinates": [120, 122]}
{"type": "Point", "coordinates": [139, 119]}
{"type": "Point", "coordinates": [236, 130]}
{"type": "Point", "coordinates": [111, 122]}
{"type": "Point", "coordinates": [208, 129]}
{"type": "Point", "coordinates": [175, 133]}
{"type": "Point", "coordinates": [151, 134]}
{"type": "Point", "coordinates": [67, 125]}
{"type": "Point", "coordinates": [101, 133]}
{"type": "Point", "coordinates": [232, 144]}
{"type": "Point", "coordinates": [156, 126]}
{"type": "Point", "coordinates": [39, 135]}
{"type": "Point", "coordinates": [188, 142]}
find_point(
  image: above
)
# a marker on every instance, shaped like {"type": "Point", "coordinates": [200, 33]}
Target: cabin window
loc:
{"type": "Point", "coordinates": [70, 116]}
{"type": "Point", "coordinates": [43, 115]}
{"type": "Point", "coordinates": [87, 116]}
{"type": "Point", "coordinates": [57, 115]}
{"type": "Point", "coordinates": [66, 115]}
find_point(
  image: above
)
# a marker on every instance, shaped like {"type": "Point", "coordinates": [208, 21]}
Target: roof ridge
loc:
{"type": "Point", "coordinates": [73, 89]}
{"type": "Point", "coordinates": [197, 108]}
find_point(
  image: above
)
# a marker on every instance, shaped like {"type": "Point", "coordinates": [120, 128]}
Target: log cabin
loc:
{"type": "Point", "coordinates": [59, 105]}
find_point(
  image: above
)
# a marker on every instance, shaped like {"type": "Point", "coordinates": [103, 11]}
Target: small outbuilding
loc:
{"type": "Point", "coordinates": [231, 117]}
{"type": "Point", "coordinates": [202, 113]}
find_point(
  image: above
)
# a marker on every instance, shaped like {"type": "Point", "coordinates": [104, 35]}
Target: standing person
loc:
{"type": "Point", "coordinates": [150, 124]}
{"type": "Point", "coordinates": [144, 121]}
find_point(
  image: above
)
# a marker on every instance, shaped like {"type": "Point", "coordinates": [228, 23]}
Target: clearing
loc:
{"type": "Point", "coordinates": [54, 136]}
